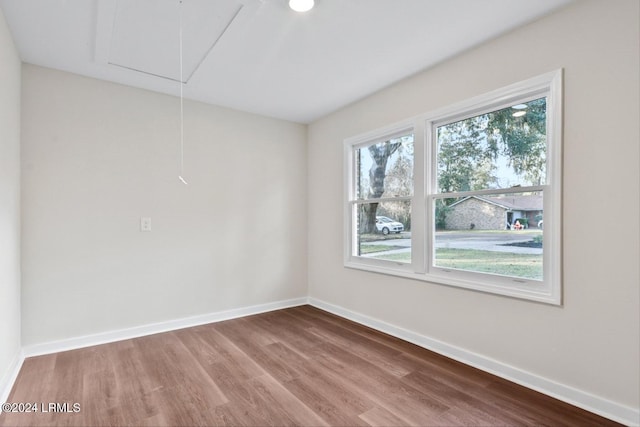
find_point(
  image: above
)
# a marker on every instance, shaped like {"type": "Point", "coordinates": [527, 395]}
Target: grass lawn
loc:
{"type": "Point", "coordinates": [379, 236]}
{"type": "Point", "coordinates": [400, 257]}
{"type": "Point", "coordinates": [369, 249]}
{"type": "Point", "coordinates": [527, 266]}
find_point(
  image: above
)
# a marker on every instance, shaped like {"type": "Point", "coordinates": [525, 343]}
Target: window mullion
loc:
{"type": "Point", "coordinates": [381, 200]}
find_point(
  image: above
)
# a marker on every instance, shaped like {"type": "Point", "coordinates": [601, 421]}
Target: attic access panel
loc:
{"type": "Point", "coordinates": [145, 34]}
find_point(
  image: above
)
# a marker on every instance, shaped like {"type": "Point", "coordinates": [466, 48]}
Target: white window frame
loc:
{"type": "Point", "coordinates": [351, 199]}
{"type": "Point", "coordinates": [549, 289]}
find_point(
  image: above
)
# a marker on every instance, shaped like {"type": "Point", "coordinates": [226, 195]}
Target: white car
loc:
{"type": "Point", "coordinates": [386, 225]}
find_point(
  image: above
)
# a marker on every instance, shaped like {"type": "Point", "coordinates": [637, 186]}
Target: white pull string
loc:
{"type": "Point", "coordinates": [181, 102]}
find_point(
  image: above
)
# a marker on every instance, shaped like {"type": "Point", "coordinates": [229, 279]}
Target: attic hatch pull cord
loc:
{"type": "Point", "coordinates": [181, 102]}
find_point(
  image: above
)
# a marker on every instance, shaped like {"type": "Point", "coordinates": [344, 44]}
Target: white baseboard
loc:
{"type": "Point", "coordinates": [155, 328]}
{"type": "Point", "coordinates": [7, 381]}
{"type": "Point", "coordinates": [598, 405]}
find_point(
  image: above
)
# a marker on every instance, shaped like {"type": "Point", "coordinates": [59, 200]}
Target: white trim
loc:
{"type": "Point", "coordinates": [553, 205]}
{"type": "Point", "coordinates": [9, 378]}
{"type": "Point", "coordinates": [155, 328]}
{"type": "Point", "coordinates": [395, 130]}
{"type": "Point", "coordinates": [381, 200]}
{"type": "Point", "coordinates": [501, 97]}
{"type": "Point", "coordinates": [547, 290]}
{"type": "Point", "coordinates": [350, 239]}
{"type": "Point", "coordinates": [592, 403]}
{"type": "Point", "coordinates": [500, 285]}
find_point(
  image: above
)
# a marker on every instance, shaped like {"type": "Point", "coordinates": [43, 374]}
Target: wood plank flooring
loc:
{"type": "Point", "coordinates": [295, 367]}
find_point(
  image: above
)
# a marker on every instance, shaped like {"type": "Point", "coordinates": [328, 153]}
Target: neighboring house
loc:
{"type": "Point", "coordinates": [493, 213]}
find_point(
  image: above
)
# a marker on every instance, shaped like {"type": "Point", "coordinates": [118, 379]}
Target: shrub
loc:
{"type": "Point", "coordinates": [441, 215]}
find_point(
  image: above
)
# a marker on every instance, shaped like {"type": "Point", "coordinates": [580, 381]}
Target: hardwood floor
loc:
{"type": "Point", "coordinates": [299, 366]}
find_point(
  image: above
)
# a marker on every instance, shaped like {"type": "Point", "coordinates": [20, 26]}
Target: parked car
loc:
{"type": "Point", "coordinates": [386, 225]}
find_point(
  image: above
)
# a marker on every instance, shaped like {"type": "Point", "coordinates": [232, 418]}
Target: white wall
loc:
{"type": "Point", "coordinates": [9, 203]}
{"type": "Point", "coordinates": [592, 342]}
{"type": "Point", "coordinates": [97, 156]}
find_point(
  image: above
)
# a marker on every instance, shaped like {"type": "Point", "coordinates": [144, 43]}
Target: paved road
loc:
{"type": "Point", "coordinates": [498, 237]}
{"type": "Point", "coordinates": [487, 241]}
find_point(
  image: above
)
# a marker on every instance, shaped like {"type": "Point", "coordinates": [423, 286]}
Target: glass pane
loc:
{"type": "Point", "coordinates": [497, 234]}
{"type": "Point", "coordinates": [384, 230]}
{"type": "Point", "coordinates": [385, 169]}
{"type": "Point", "coordinates": [501, 149]}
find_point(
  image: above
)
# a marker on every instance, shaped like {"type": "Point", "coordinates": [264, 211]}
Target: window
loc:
{"type": "Point", "coordinates": [468, 196]}
{"type": "Point", "coordinates": [381, 197]}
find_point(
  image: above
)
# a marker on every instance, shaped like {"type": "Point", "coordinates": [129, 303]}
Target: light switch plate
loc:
{"type": "Point", "coordinates": [145, 223]}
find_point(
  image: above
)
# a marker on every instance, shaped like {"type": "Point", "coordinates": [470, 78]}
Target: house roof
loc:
{"type": "Point", "coordinates": [514, 202]}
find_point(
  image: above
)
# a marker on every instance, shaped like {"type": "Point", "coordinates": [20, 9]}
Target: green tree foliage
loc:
{"type": "Point", "coordinates": [521, 139]}
{"type": "Point", "coordinates": [441, 214]}
{"type": "Point", "coordinates": [464, 157]}
{"type": "Point", "coordinates": [469, 150]}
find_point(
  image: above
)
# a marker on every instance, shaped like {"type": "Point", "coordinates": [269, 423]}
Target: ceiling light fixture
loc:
{"type": "Point", "coordinates": [301, 5]}
{"type": "Point", "coordinates": [519, 113]}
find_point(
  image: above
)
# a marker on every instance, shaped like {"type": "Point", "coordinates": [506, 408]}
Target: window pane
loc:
{"type": "Point", "coordinates": [498, 234]}
{"type": "Point", "coordinates": [384, 230]}
{"type": "Point", "coordinates": [501, 149]}
{"type": "Point", "coordinates": [385, 169]}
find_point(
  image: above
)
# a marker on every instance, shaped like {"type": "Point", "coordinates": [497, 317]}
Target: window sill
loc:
{"type": "Point", "coordinates": [491, 284]}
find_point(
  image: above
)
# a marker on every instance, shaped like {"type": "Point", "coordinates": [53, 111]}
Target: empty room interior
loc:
{"type": "Point", "coordinates": [340, 212]}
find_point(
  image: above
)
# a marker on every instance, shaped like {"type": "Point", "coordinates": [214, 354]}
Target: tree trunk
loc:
{"type": "Point", "coordinates": [368, 218]}
{"type": "Point", "coordinates": [380, 154]}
